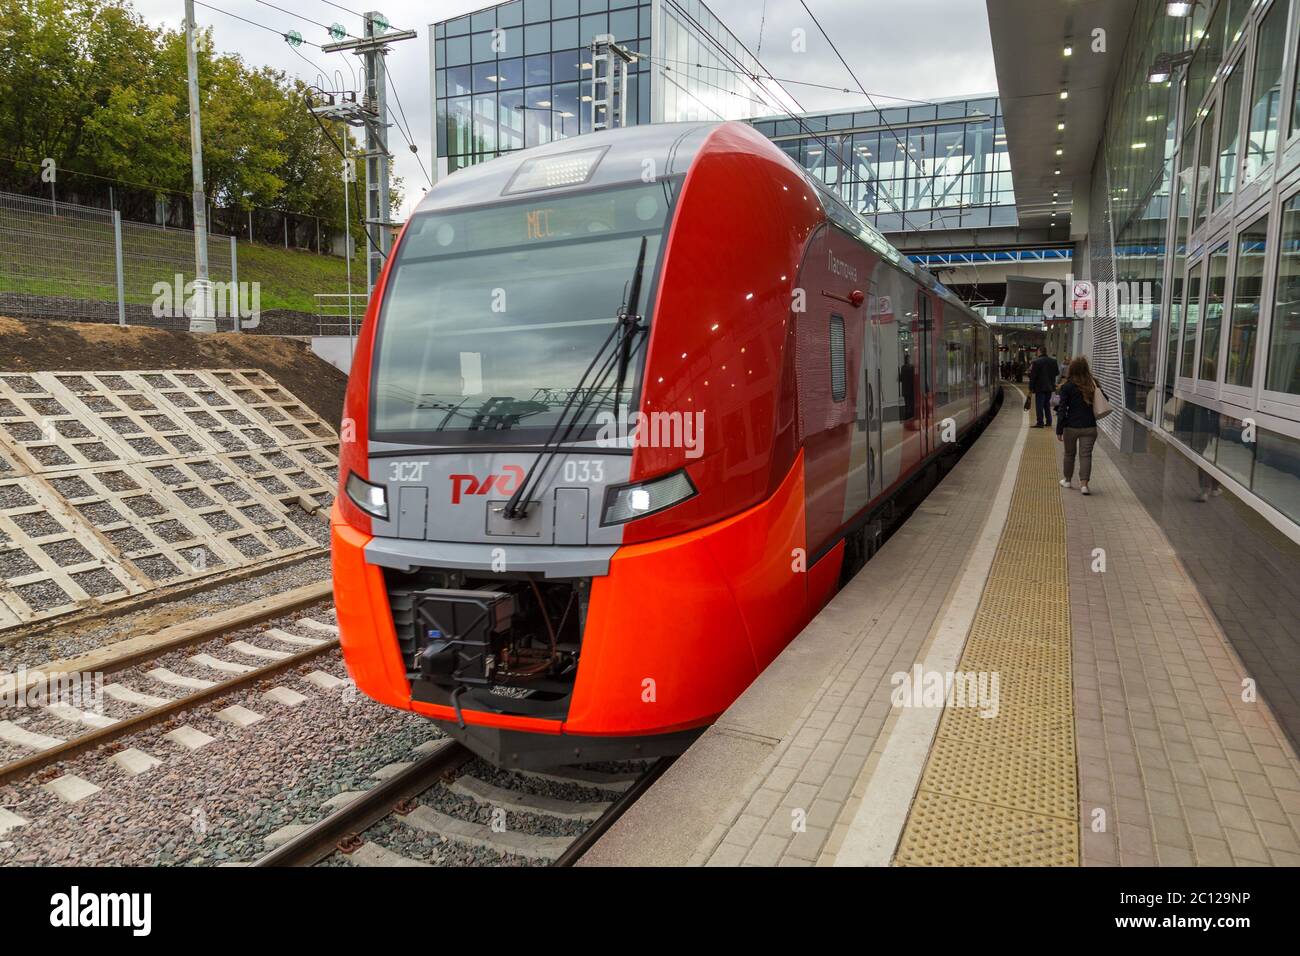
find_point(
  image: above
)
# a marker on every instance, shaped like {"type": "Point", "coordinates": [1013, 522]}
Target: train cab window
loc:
{"type": "Point", "coordinates": [839, 378]}
{"type": "Point", "coordinates": [492, 314]}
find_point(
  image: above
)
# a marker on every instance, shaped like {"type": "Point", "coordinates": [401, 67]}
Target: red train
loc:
{"type": "Point", "coordinates": [622, 411]}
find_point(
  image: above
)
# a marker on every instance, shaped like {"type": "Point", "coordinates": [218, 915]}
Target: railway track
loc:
{"type": "Point", "coordinates": [233, 653]}
{"type": "Point", "coordinates": [404, 799]}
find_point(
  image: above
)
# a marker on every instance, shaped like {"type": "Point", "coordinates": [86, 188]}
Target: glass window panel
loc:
{"type": "Point", "coordinates": [460, 127]}
{"type": "Point", "coordinates": [920, 114]}
{"type": "Point", "coordinates": [567, 110]}
{"type": "Point", "coordinates": [564, 8]}
{"type": "Point", "coordinates": [1248, 287]}
{"type": "Point", "coordinates": [459, 81]}
{"type": "Point", "coordinates": [593, 26]}
{"type": "Point", "coordinates": [486, 78]}
{"type": "Point", "coordinates": [457, 51]}
{"type": "Point", "coordinates": [1266, 89]}
{"type": "Point", "coordinates": [439, 83]}
{"type": "Point", "coordinates": [540, 116]}
{"type": "Point", "coordinates": [594, 6]}
{"type": "Point", "coordinates": [537, 38]}
{"type": "Point", "coordinates": [441, 124]}
{"type": "Point", "coordinates": [1284, 336]}
{"type": "Point", "coordinates": [537, 70]}
{"type": "Point", "coordinates": [1191, 314]}
{"type": "Point", "coordinates": [485, 19]}
{"type": "Point", "coordinates": [1229, 135]}
{"type": "Point", "coordinates": [535, 11]}
{"type": "Point", "coordinates": [645, 21]}
{"type": "Point", "coordinates": [511, 124]}
{"type": "Point", "coordinates": [1216, 284]}
{"type": "Point", "coordinates": [623, 24]}
{"type": "Point", "coordinates": [440, 52]}
{"type": "Point", "coordinates": [564, 34]}
{"type": "Point", "coordinates": [485, 122]}
{"type": "Point", "coordinates": [510, 14]}
{"type": "Point", "coordinates": [1204, 169]}
{"type": "Point", "coordinates": [458, 27]}
{"type": "Point", "coordinates": [565, 66]}
{"type": "Point", "coordinates": [1277, 472]}
{"type": "Point", "coordinates": [481, 46]}
{"type": "Point", "coordinates": [1235, 456]}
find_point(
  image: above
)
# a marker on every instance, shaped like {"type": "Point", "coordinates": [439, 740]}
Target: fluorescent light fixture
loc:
{"type": "Point", "coordinates": [1060, 126]}
{"type": "Point", "coordinates": [1178, 8]}
{"type": "Point", "coordinates": [1068, 51]}
{"type": "Point", "coordinates": [1065, 94]}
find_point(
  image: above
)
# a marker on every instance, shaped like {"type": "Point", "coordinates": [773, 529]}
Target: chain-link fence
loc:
{"type": "Point", "coordinates": [63, 261]}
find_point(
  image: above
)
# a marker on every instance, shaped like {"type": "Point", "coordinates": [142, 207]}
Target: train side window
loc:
{"type": "Point", "coordinates": [839, 379]}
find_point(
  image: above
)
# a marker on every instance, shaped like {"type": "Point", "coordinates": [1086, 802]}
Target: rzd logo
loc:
{"type": "Point", "coordinates": [505, 484]}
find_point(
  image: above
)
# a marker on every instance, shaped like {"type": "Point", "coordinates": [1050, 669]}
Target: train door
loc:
{"type": "Point", "coordinates": [924, 378]}
{"type": "Point", "coordinates": [864, 387]}
{"type": "Point", "coordinates": [873, 386]}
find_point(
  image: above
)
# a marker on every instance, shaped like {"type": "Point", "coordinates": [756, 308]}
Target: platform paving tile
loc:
{"type": "Point", "coordinates": [889, 610]}
{"type": "Point", "coordinates": [1183, 770]}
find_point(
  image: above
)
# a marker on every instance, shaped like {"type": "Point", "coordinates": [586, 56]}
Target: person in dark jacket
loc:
{"type": "Point", "coordinates": [1044, 372]}
{"type": "Point", "coordinates": [1076, 425]}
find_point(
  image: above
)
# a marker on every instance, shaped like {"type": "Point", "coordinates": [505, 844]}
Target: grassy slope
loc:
{"type": "Point", "coordinates": [75, 259]}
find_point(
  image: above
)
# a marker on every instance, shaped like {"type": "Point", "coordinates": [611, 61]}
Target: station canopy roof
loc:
{"type": "Point", "coordinates": [1029, 41]}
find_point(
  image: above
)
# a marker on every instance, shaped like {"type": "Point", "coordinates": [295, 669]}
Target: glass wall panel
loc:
{"type": "Point", "coordinates": [1277, 472]}
{"type": "Point", "coordinates": [1266, 89]}
{"type": "Point", "coordinates": [1247, 288]}
{"type": "Point", "coordinates": [1284, 334]}
{"type": "Point", "coordinates": [1191, 314]}
{"type": "Point", "coordinates": [1205, 169]}
{"type": "Point", "coordinates": [1229, 134]}
{"type": "Point", "coordinates": [1216, 284]}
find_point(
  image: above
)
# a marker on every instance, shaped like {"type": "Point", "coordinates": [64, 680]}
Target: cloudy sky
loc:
{"type": "Point", "coordinates": [911, 49]}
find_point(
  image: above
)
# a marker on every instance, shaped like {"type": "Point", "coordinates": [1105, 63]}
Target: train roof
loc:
{"type": "Point", "coordinates": [620, 156]}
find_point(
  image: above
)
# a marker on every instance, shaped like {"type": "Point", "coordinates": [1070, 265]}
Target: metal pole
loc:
{"type": "Point", "coordinates": [286, 229]}
{"type": "Point", "coordinates": [201, 318]}
{"type": "Point", "coordinates": [234, 282]}
{"type": "Point", "coordinates": [376, 157]}
{"type": "Point", "coordinates": [250, 224]}
{"type": "Point", "coordinates": [347, 235]}
{"type": "Point", "coordinates": [121, 285]}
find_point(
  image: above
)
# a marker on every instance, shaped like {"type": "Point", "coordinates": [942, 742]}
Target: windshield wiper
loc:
{"type": "Point", "coordinates": [628, 322]}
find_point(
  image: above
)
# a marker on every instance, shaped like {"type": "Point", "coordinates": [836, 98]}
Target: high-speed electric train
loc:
{"type": "Point", "coordinates": [622, 408]}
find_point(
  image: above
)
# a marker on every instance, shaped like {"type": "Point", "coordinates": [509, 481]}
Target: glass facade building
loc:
{"type": "Point", "coordinates": [519, 74]}
{"type": "Point", "coordinates": [929, 166]}
{"type": "Point", "coordinates": [1196, 191]}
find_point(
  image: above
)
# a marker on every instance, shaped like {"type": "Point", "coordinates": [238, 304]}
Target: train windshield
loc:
{"type": "Point", "coordinates": [492, 315]}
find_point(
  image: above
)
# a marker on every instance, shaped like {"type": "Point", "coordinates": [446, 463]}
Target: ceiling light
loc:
{"type": "Point", "coordinates": [1068, 51]}
{"type": "Point", "coordinates": [1065, 94]}
{"type": "Point", "coordinates": [1059, 152]}
{"type": "Point", "coordinates": [1139, 145]}
{"type": "Point", "coordinates": [1057, 173]}
{"type": "Point", "coordinates": [1060, 126]}
{"type": "Point", "coordinates": [1178, 8]}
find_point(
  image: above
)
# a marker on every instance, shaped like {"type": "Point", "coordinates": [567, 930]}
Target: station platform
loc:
{"type": "Point", "coordinates": [1021, 676]}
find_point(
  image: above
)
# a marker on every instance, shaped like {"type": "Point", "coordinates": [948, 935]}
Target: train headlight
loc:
{"type": "Point", "coordinates": [627, 502]}
{"type": "Point", "coordinates": [372, 499]}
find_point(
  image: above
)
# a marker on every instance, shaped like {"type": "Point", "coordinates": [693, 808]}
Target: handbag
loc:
{"type": "Point", "coordinates": [1029, 400]}
{"type": "Point", "coordinates": [1100, 407]}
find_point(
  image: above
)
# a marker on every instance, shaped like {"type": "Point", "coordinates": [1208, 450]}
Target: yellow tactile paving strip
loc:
{"type": "Point", "coordinates": [1002, 790]}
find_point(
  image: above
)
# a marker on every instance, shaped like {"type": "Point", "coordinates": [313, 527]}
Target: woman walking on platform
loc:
{"type": "Point", "coordinates": [1076, 423]}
